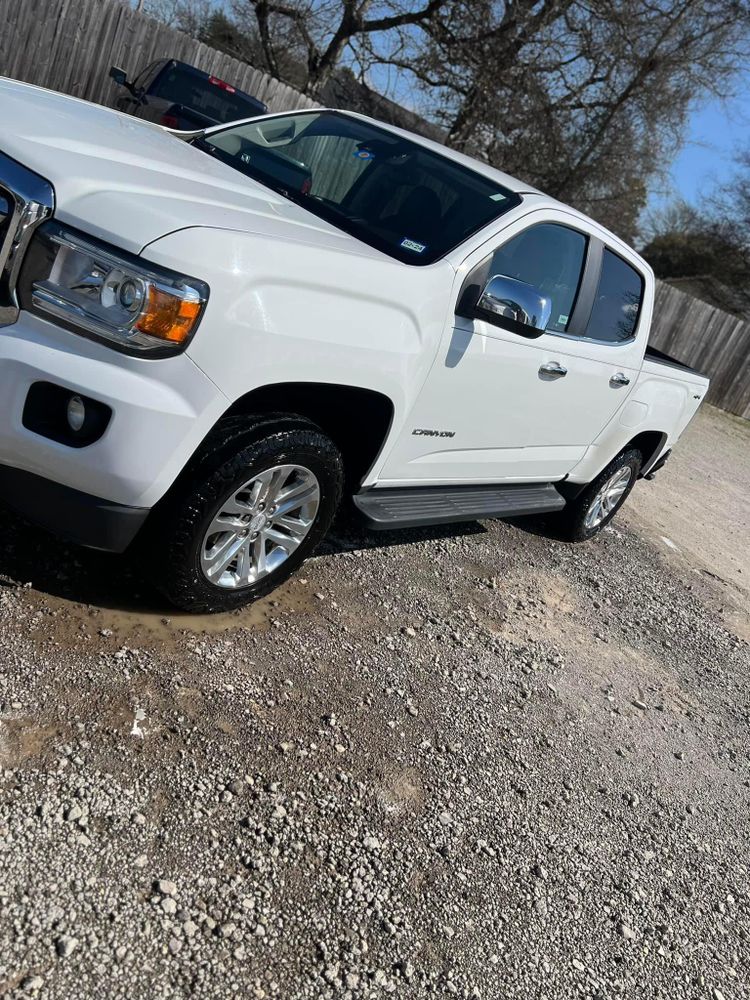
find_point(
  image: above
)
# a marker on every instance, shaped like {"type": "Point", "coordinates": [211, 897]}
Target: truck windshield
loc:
{"type": "Point", "coordinates": [400, 197]}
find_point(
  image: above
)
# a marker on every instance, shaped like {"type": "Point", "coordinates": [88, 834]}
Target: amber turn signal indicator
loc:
{"type": "Point", "coordinates": [168, 316]}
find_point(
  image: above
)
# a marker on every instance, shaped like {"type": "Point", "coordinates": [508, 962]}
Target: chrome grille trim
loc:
{"type": "Point", "coordinates": [26, 200]}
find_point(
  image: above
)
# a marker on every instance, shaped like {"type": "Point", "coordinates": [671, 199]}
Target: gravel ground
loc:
{"type": "Point", "coordinates": [492, 765]}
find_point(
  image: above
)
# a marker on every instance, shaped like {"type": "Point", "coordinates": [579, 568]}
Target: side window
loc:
{"type": "Point", "coordinates": [617, 302]}
{"type": "Point", "coordinates": [550, 257]}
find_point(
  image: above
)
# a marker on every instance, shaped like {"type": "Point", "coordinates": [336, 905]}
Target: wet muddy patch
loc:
{"type": "Point", "coordinates": [143, 622]}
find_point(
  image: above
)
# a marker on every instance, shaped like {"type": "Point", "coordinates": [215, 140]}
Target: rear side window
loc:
{"type": "Point", "coordinates": [617, 302]}
{"type": "Point", "coordinates": [215, 100]}
{"type": "Point", "coordinates": [550, 257]}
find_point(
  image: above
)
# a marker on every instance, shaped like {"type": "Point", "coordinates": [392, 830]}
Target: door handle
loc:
{"type": "Point", "coordinates": [553, 369]}
{"type": "Point", "coordinates": [619, 378]}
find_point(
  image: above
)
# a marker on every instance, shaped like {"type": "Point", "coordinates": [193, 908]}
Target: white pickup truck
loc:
{"type": "Point", "coordinates": [208, 339]}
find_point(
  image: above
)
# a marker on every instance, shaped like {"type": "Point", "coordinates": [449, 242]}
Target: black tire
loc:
{"type": "Point", "coordinates": [238, 449]}
{"type": "Point", "coordinates": [574, 515]}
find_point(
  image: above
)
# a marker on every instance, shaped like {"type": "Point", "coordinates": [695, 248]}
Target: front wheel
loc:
{"type": "Point", "coordinates": [595, 507]}
{"type": "Point", "coordinates": [247, 514]}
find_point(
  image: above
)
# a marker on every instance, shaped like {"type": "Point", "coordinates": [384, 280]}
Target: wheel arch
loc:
{"type": "Point", "coordinates": [650, 445]}
{"type": "Point", "coordinates": [358, 420]}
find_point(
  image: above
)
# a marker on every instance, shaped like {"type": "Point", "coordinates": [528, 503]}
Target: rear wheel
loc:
{"type": "Point", "coordinates": [247, 513]}
{"type": "Point", "coordinates": [595, 507]}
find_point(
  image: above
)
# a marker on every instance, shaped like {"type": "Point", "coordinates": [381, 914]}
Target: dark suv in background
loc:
{"type": "Point", "coordinates": [180, 96]}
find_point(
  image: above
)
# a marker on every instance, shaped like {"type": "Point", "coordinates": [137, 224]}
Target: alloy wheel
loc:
{"type": "Point", "coordinates": [258, 527]}
{"type": "Point", "coordinates": [608, 498]}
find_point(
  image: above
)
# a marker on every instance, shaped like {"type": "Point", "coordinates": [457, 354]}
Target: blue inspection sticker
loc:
{"type": "Point", "coordinates": [413, 245]}
{"type": "Point", "coordinates": [363, 154]}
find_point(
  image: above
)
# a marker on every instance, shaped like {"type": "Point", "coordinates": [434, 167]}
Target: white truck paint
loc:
{"type": "Point", "coordinates": [295, 299]}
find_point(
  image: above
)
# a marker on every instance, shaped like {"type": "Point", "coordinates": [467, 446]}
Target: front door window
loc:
{"type": "Point", "coordinates": [550, 257]}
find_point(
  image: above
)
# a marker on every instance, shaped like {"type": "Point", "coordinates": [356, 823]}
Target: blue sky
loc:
{"type": "Point", "coordinates": [717, 130]}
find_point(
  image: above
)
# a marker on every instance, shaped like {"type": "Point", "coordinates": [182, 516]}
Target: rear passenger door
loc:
{"type": "Point", "coordinates": [519, 409]}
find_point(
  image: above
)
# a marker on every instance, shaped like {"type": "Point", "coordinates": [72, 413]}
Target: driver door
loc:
{"type": "Point", "coordinates": [498, 406]}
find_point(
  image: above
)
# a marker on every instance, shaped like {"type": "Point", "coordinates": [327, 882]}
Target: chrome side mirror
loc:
{"type": "Point", "coordinates": [514, 305]}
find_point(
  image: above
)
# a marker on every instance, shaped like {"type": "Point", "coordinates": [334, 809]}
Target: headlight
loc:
{"type": "Point", "coordinates": [107, 293]}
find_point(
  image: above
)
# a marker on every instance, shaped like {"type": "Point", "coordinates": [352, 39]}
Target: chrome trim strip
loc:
{"type": "Point", "coordinates": [593, 340]}
{"type": "Point", "coordinates": [31, 200]}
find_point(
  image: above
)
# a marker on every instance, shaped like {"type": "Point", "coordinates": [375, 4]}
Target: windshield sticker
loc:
{"type": "Point", "coordinates": [562, 320]}
{"type": "Point", "coordinates": [413, 245]}
{"type": "Point", "coordinates": [363, 154]}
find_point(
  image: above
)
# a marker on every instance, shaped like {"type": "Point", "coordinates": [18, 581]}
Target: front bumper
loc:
{"type": "Point", "coordinates": [161, 411]}
{"type": "Point", "coordinates": [75, 516]}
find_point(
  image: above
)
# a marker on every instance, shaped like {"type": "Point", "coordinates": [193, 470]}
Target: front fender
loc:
{"type": "Point", "coordinates": [282, 310]}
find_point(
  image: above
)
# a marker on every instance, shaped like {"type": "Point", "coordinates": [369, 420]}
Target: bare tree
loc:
{"type": "Point", "coordinates": [704, 249]}
{"type": "Point", "coordinates": [586, 99]}
{"type": "Point", "coordinates": [729, 204]}
{"type": "Point", "coordinates": [320, 31]}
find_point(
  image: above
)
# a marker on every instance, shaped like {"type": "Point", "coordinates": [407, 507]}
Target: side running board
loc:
{"type": "Point", "coordinates": [386, 509]}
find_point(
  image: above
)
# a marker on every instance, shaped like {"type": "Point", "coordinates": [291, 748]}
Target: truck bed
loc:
{"type": "Point", "coordinates": [680, 388]}
{"type": "Point", "coordinates": [652, 354]}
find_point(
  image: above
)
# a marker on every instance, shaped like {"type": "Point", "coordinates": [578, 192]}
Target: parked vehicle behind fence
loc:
{"type": "Point", "coordinates": [209, 339]}
{"type": "Point", "coordinates": [180, 96]}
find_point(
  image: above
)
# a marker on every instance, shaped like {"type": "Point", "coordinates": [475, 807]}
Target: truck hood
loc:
{"type": "Point", "coordinates": [130, 182]}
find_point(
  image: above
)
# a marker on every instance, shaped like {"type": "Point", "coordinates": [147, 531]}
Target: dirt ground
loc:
{"type": "Point", "coordinates": [698, 509]}
{"type": "Point", "coordinates": [485, 765]}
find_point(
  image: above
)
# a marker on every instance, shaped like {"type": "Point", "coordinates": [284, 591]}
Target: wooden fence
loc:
{"type": "Point", "coordinates": [714, 342]}
{"type": "Point", "coordinates": [69, 45]}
